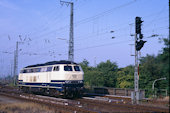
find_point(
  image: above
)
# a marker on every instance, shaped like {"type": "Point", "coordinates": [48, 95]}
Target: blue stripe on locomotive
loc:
{"type": "Point", "coordinates": [59, 86]}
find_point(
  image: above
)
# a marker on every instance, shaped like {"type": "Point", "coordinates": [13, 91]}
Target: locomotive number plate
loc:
{"type": "Point", "coordinates": [74, 76]}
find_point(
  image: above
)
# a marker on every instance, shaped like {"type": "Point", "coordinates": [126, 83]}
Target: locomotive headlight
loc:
{"type": "Point", "coordinates": [80, 81]}
{"type": "Point", "coordinates": [67, 82]}
{"type": "Point", "coordinates": [74, 82]}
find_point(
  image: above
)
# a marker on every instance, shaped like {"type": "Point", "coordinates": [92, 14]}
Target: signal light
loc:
{"type": "Point", "coordinates": [138, 25]}
{"type": "Point", "coordinates": [139, 45]}
{"type": "Point", "coordinates": [140, 36]}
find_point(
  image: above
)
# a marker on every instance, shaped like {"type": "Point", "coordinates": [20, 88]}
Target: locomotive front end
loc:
{"type": "Point", "coordinates": [74, 81]}
{"type": "Point", "coordinates": [72, 77]}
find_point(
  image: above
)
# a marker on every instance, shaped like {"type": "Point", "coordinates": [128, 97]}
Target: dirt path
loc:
{"type": "Point", "coordinates": [12, 105]}
{"type": "Point", "coordinates": [8, 100]}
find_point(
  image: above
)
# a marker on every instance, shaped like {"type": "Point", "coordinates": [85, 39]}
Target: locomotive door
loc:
{"type": "Point", "coordinates": [48, 77]}
{"type": "Point", "coordinates": [49, 70]}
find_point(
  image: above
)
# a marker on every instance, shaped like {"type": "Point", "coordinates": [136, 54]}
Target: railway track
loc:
{"type": "Point", "coordinates": [63, 105]}
{"type": "Point", "coordinates": [85, 105]}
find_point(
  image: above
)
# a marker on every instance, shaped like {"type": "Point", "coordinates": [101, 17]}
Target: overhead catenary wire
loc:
{"type": "Point", "coordinates": [124, 34]}
{"type": "Point", "coordinates": [91, 18]}
{"type": "Point", "coordinates": [65, 26]}
{"type": "Point", "coordinates": [102, 45]}
{"type": "Point", "coordinates": [104, 33]}
{"type": "Point", "coordinates": [127, 26]}
{"type": "Point", "coordinates": [54, 30]}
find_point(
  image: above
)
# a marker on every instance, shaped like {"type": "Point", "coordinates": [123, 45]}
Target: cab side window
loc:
{"type": "Point", "coordinates": [49, 69]}
{"type": "Point", "coordinates": [43, 69]}
{"type": "Point", "coordinates": [56, 68]}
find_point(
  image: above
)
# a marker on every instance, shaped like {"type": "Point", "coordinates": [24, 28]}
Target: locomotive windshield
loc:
{"type": "Point", "coordinates": [76, 68]}
{"type": "Point", "coordinates": [68, 68]}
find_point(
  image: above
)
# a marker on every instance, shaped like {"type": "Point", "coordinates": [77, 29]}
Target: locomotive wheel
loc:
{"type": "Point", "coordinates": [71, 95]}
{"type": "Point", "coordinates": [53, 92]}
{"type": "Point", "coordinates": [25, 89]}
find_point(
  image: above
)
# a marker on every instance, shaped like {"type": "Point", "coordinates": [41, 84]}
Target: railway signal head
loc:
{"type": "Point", "coordinates": [138, 25]}
{"type": "Point", "coordinates": [139, 45]}
{"type": "Point", "coordinates": [140, 36]}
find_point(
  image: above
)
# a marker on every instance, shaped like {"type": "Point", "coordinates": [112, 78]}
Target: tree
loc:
{"type": "Point", "coordinates": [155, 67]}
{"type": "Point", "coordinates": [93, 78]}
{"type": "Point", "coordinates": [109, 70]}
{"type": "Point", "coordinates": [84, 63]}
{"type": "Point", "coordinates": [125, 77]}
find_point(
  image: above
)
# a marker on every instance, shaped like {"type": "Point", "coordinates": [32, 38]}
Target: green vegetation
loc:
{"type": "Point", "coordinates": [152, 67]}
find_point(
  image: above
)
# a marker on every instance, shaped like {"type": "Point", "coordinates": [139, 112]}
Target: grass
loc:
{"type": "Point", "coordinates": [25, 108]}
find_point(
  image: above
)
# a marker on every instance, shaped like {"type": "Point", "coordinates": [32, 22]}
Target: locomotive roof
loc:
{"type": "Point", "coordinates": [52, 63]}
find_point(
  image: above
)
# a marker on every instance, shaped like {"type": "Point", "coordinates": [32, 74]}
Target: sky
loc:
{"type": "Point", "coordinates": [42, 28]}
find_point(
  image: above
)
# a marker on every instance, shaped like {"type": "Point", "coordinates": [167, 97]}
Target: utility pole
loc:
{"type": "Point", "coordinates": [16, 63]}
{"type": "Point", "coordinates": [11, 68]}
{"type": "Point", "coordinates": [71, 38]}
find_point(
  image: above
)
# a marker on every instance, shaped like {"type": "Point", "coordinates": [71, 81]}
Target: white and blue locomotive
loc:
{"type": "Point", "coordinates": [53, 78]}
